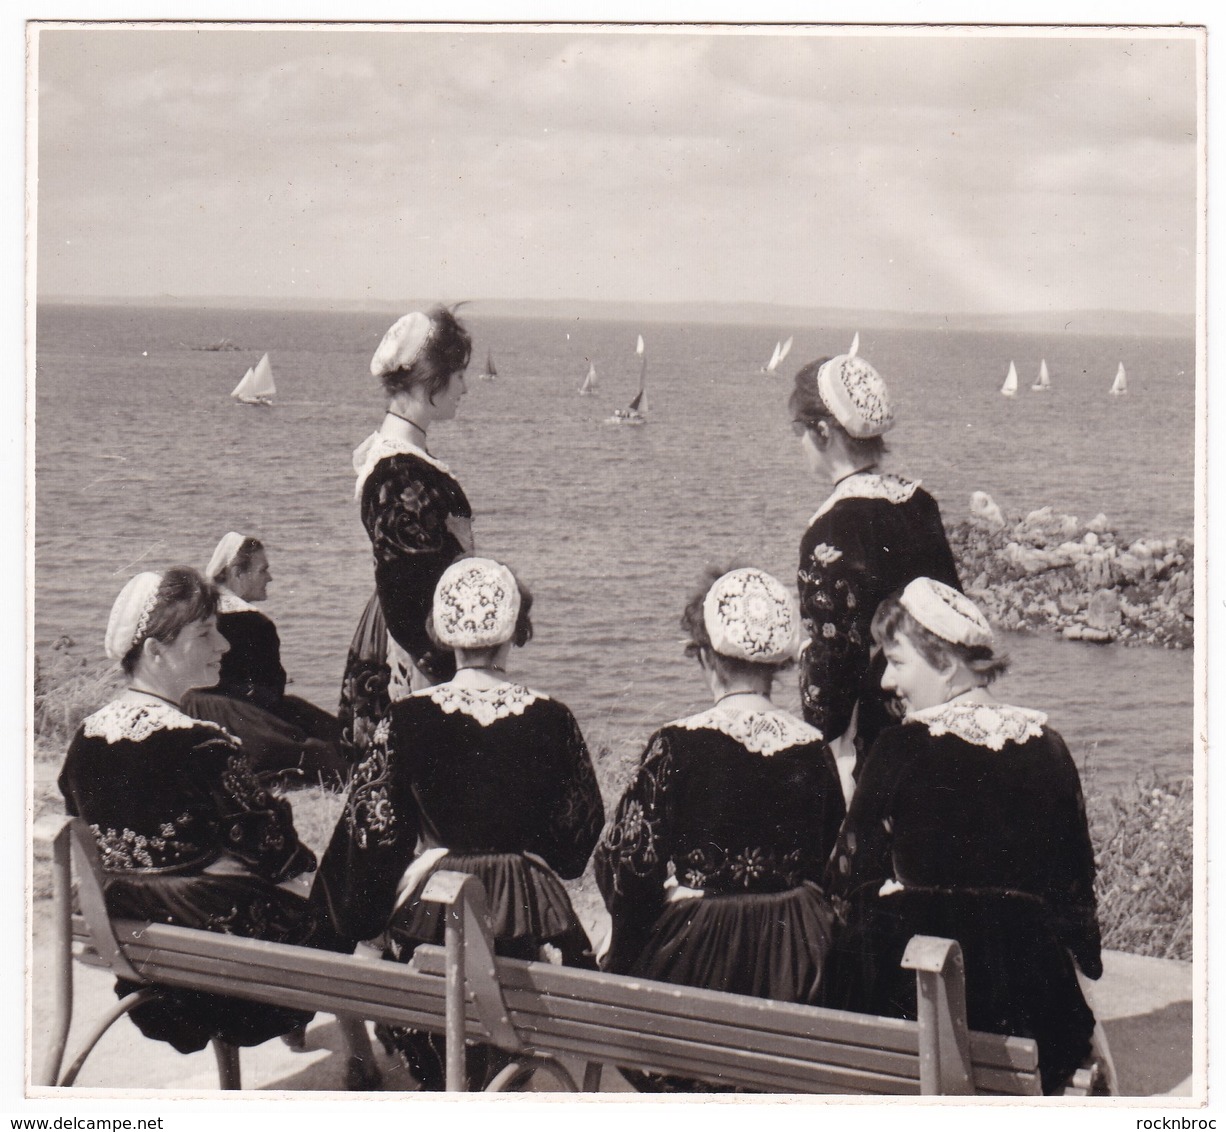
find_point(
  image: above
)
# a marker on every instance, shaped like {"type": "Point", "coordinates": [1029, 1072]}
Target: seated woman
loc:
{"type": "Point", "coordinates": [185, 832]}
{"type": "Point", "coordinates": [968, 823]}
{"type": "Point", "coordinates": [711, 865]}
{"type": "Point", "coordinates": [477, 774]}
{"type": "Point", "coordinates": [282, 736]}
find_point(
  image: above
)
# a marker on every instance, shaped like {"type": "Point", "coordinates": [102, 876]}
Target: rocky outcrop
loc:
{"type": "Point", "coordinates": [1083, 580]}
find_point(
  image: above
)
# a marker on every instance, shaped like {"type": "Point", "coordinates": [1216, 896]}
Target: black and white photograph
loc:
{"type": "Point", "coordinates": [660, 560]}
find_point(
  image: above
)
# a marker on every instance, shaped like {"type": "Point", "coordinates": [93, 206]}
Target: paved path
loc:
{"type": "Point", "coordinates": [1145, 1004]}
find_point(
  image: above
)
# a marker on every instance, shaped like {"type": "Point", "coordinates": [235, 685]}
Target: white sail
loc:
{"type": "Point", "coordinates": [787, 349]}
{"type": "Point", "coordinates": [1009, 389]}
{"type": "Point", "coordinates": [1044, 381]}
{"type": "Point", "coordinates": [589, 382]}
{"type": "Point", "coordinates": [775, 358]}
{"type": "Point", "coordinates": [855, 346]}
{"type": "Point", "coordinates": [257, 386]}
{"type": "Point", "coordinates": [639, 348]}
{"type": "Point", "coordinates": [1120, 384]}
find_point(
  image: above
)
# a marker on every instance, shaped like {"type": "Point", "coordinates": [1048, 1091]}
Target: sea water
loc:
{"type": "Point", "coordinates": [143, 460]}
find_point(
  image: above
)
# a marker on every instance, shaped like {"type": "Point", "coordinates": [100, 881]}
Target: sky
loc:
{"type": "Point", "coordinates": [879, 170]}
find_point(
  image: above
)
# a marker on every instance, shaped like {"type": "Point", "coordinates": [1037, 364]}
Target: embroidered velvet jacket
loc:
{"type": "Point", "coordinates": [500, 770]}
{"type": "Point", "coordinates": [975, 796]}
{"type": "Point", "coordinates": [167, 793]}
{"type": "Point", "coordinates": [407, 500]}
{"type": "Point", "coordinates": [873, 535]}
{"type": "Point", "coordinates": [723, 802]}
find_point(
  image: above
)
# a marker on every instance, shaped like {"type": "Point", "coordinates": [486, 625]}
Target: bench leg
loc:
{"type": "Point", "coordinates": [229, 1074]}
{"type": "Point", "coordinates": [108, 1019]}
{"type": "Point", "coordinates": [61, 867]}
{"type": "Point", "coordinates": [591, 1076]}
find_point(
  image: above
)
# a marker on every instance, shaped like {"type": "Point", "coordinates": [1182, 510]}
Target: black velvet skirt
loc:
{"type": "Point", "coordinates": [769, 945]}
{"type": "Point", "coordinates": [234, 905]}
{"type": "Point", "coordinates": [1019, 979]}
{"type": "Point", "coordinates": [531, 917]}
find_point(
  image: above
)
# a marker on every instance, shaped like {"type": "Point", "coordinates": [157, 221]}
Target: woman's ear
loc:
{"type": "Point", "coordinates": [151, 650]}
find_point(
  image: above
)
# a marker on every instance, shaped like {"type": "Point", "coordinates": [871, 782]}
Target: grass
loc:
{"type": "Point", "coordinates": [1142, 836]}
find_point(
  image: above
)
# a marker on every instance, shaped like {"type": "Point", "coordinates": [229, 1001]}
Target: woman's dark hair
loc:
{"type": "Point", "coordinates": [698, 639]}
{"type": "Point", "coordinates": [183, 597]}
{"type": "Point", "coordinates": [445, 352]}
{"type": "Point", "coordinates": [241, 562]}
{"type": "Point", "coordinates": [806, 404]}
{"type": "Point", "coordinates": [523, 621]}
{"type": "Point", "coordinates": [892, 619]}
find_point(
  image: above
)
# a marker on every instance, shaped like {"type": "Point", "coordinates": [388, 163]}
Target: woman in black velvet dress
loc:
{"type": "Point", "coordinates": [284, 737]}
{"type": "Point", "coordinates": [873, 534]}
{"type": "Point", "coordinates": [968, 823]}
{"type": "Point", "coordinates": [186, 833]}
{"type": "Point", "coordinates": [711, 866]}
{"type": "Point", "coordinates": [416, 514]}
{"type": "Point", "coordinates": [478, 774]}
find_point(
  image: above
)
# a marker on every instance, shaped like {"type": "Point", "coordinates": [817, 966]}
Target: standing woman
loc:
{"type": "Point", "coordinates": [874, 533]}
{"type": "Point", "coordinates": [416, 514]}
{"type": "Point", "coordinates": [479, 774]}
{"type": "Point", "coordinates": [712, 863]}
{"type": "Point", "coordinates": [185, 832]}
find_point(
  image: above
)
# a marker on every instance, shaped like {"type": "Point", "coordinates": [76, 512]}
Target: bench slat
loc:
{"type": "Point", "coordinates": [655, 1000]}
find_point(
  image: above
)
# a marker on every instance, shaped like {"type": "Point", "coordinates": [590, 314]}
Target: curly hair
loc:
{"type": "Point", "coordinates": [446, 351]}
{"type": "Point", "coordinates": [183, 598]}
{"type": "Point", "coordinates": [892, 620]}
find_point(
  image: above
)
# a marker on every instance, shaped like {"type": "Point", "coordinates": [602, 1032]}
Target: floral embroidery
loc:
{"type": "Point", "coordinates": [824, 554]}
{"type": "Point", "coordinates": [828, 630]}
{"type": "Point", "coordinates": [749, 867]}
{"type": "Point", "coordinates": [869, 485]}
{"type": "Point", "coordinates": [124, 849]}
{"type": "Point", "coordinates": [368, 809]}
{"type": "Point", "coordinates": [128, 719]}
{"type": "Point", "coordinates": [485, 705]}
{"type": "Point", "coordinates": [630, 844]}
{"type": "Point", "coordinates": [762, 733]}
{"type": "Point", "coordinates": [983, 725]}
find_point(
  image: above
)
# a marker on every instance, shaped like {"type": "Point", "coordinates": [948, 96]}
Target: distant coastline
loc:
{"type": "Point", "coordinates": [1144, 324]}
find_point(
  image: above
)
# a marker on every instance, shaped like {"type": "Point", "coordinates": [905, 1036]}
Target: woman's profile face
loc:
{"type": "Point", "coordinates": [252, 584]}
{"type": "Point", "coordinates": [911, 676]}
{"type": "Point", "coordinates": [815, 457]}
{"type": "Point", "coordinates": [447, 400]}
{"type": "Point", "coordinates": [193, 658]}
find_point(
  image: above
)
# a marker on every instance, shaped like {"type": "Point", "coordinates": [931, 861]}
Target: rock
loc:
{"type": "Point", "coordinates": [1098, 636]}
{"type": "Point", "coordinates": [1103, 612]}
{"type": "Point", "coordinates": [1090, 540]}
{"type": "Point", "coordinates": [1098, 524]}
{"type": "Point", "coordinates": [1069, 602]}
{"type": "Point", "coordinates": [985, 511]}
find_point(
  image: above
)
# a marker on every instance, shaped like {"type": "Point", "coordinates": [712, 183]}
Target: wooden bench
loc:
{"type": "Point", "coordinates": [543, 1015]}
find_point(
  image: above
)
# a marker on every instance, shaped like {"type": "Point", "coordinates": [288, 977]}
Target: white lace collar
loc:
{"type": "Point", "coordinates": [231, 603]}
{"type": "Point", "coordinates": [984, 725]}
{"type": "Point", "coordinates": [868, 485]}
{"type": "Point", "coordinates": [378, 447]}
{"type": "Point", "coordinates": [760, 732]}
{"type": "Point", "coordinates": [136, 720]}
{"type": "Point", "coordinates": [485, 705]}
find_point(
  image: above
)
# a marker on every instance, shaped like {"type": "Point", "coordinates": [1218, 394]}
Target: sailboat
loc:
{"type": "Point", "coordinates": [1120, 384]}
{"type": "Point", "coordinates": [589, 382]}
{"type": "Point", "coordinates": [781, 351]}
{"type": "Point", "coordinates": [1044, 381]}
{"type": "Point", "coordinates": [636, 412]}
{"type": "Point", "coordinates": [491, 371]}
{"type": "Point", "coordinates": [1009, 389]}
{"type": "Point", "coordinates": [257, 386]}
